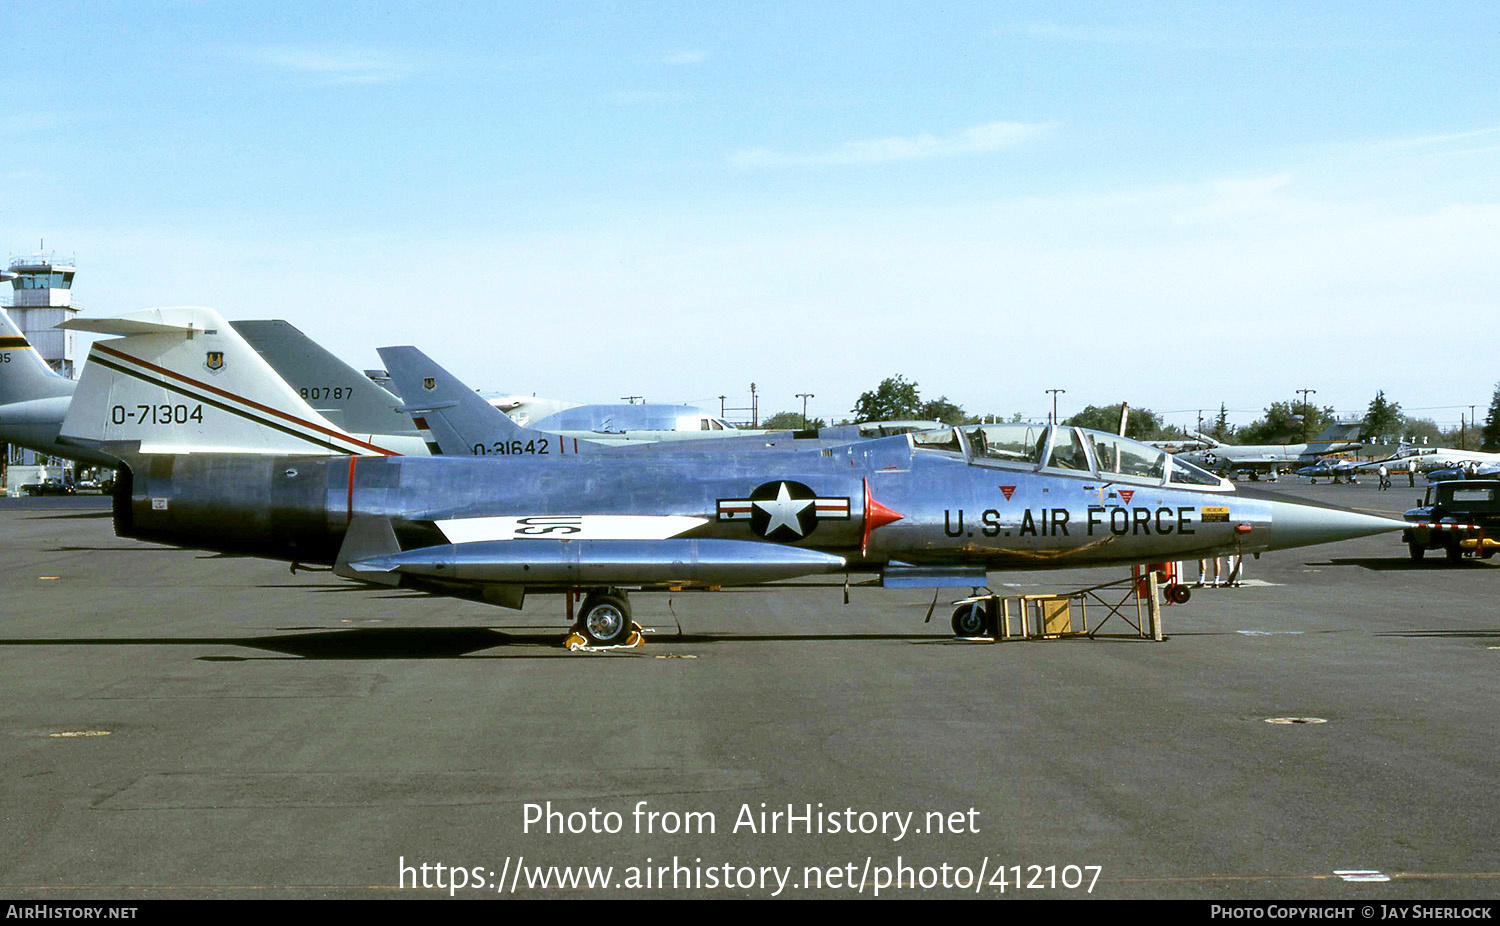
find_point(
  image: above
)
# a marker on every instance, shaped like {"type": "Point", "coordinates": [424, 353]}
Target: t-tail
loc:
{"type": "Point", "coordinates": [1336, 438]}
{"type": "Point", "coordinates": [181, 380]}
{"type": "Point", "coordinates": [459, 420]}
{"type": "Point", "coordinates": [24, 375]}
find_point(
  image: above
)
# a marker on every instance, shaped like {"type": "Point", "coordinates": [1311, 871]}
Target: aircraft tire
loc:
{"type": "Point", "coordinates": [970, 620]}
{"type": "Point", "coordinates": [1179, 594]}
{"type": "Point", "coordinates": [605, 619]}
{"type": "Point", "coordinates": [1416, 550]}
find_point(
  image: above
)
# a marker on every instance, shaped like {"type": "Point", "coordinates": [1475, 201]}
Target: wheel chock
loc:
{"type": "Point", "coordinates": [578, 643]}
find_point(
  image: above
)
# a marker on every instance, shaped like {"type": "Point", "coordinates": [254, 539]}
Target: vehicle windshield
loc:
{"type": "Point", "coordinates": [1077, 450]}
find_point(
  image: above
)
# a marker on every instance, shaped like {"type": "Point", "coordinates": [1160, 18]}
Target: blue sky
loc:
{"type": "Point", "coordinates": [1174, 205]}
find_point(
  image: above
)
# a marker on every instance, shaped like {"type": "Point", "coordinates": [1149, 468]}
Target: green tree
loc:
{"type": "Point", "coordinates": [1143, 424]}
{"type": "Point", "coordinates": [894, 398]}
{"type": "Point", "coordinates": [1416, 429]}
{"type": "Point", "coordinates": [790, 421]}
{"type": "Point", "coordinates": [940, 409]}
{"type": "Point", "coordinates": [1286, 424]}
{"type": "Point", "coordinates": [1491, 433]}
{"type": "Point", "coordinates": [1382, 418]}
{"type": "Point", "coordinates": [1223, 430]}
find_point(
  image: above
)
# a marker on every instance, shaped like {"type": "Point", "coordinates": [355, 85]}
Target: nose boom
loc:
{"type": "Point", "coordinates": [1294, 525]}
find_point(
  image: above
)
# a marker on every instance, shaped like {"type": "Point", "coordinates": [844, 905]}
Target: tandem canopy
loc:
{"type": "Point", "coordinates": [1056, 448]}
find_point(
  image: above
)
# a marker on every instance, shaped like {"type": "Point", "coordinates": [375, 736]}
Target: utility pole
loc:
{"type": "Point", "coordinates": [1054, 392]}
{"type": "Point", "coordinates": [804, 396]}
{"type": "Point", "coordinates": [631, 398]}
{"type": "Point", "coordinates": [1306, 411]}
{"type": "Point", "coordinates": [754, 408]}
{"type": "Point", "coordinates": [721, 405]}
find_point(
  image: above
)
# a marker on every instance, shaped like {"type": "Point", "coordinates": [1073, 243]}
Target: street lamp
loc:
{"type": "Point", "coordinates": [1306, 411]}
{"type": "Point", "coordinates": [1054, 392]}
{"type": "Point", "coordinates": [804, 396]}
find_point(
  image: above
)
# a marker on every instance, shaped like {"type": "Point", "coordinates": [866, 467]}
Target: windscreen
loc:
{"type": "Point", "coordinates": [1119, 456]}
{"type": "Point", "coordinates": [1007, 443]}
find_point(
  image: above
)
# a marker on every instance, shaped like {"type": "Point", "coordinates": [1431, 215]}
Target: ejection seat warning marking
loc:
{"type": "Point", "coordinates": [1213, 514]}
{"type": "Point", "coordinates": [158, 504]}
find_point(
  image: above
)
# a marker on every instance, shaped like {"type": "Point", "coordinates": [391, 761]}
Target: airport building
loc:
{"type": "Point", "coordinates": [41, 299]}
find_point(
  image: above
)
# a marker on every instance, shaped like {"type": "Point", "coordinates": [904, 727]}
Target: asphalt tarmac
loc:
{"type": "Point", "coordinates": [181, 724]}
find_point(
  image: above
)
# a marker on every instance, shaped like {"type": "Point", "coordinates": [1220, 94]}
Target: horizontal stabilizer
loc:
{"type": "Point", "coordinates": [152, 321]}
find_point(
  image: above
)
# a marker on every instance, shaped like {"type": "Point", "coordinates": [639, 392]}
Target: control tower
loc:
{"type": "Point", "coordinates": [43, 299]}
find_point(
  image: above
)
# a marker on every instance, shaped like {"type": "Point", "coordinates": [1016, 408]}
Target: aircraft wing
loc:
{"type": "Point", "coordinates": [370, 553]}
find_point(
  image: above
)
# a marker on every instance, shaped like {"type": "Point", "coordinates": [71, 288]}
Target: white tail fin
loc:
{"type": "Point", "coordinates": [183, 381]}
{"type": "Point", "coordinates": [23, 374]}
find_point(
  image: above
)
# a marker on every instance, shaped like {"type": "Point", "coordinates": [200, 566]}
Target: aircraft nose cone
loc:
{"type": "Point", "coordinates": [1294, 525]}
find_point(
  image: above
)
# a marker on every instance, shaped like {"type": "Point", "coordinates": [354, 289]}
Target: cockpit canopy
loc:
{"type": "Point", "coordinates": [1065, 449]}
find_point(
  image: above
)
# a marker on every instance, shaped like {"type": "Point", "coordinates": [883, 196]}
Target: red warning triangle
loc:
{"type": "Point", "coordinates": [1007, 491]}
{"type": "Point", "coordinates": [1127, 494]}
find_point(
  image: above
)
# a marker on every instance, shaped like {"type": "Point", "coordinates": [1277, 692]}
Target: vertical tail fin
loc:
{"type": "Point", "coordinates": [180, 380]}
{"type": "Point", "coordinates": [459, 420]}
{"type": "Point", "coordinates": [342, 394]}
{"type": "Point", "coordinates": [23, 373]}
{"type": "Point", "coordinates": [1336, 433]}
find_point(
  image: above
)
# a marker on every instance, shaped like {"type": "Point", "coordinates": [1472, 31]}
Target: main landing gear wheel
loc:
{"type": "Point", "coordinates": [1179, 594]}
{"type": "Point", "coordinates": [604, 618]}
{"type": "Point", "coordinates": [971, 620]}
{"type": "Point", "coordinates": [1416, 550]}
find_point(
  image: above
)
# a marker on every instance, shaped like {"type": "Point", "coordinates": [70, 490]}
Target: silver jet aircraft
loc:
{"type": "Point", "coordinates": [1270, 458]}
{"type": "Point", "coordinates": [939, 511]}
{"type": "Point", "coordinates": [1431, 458]}
{"type": "Point", "coordinates": [457, 420]}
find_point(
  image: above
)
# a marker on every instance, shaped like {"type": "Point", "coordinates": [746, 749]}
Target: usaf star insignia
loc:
{"type": "Point", "coordinates": [783, 511]}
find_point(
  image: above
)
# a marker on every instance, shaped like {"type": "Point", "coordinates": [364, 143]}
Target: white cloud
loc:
{"type": "Point", "coordinates": [980, 139]}
{"type": "Point", "coordinates": [336, 65]}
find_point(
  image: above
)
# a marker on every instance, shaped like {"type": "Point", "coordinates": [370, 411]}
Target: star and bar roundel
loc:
{"type": "Point", "coordinates": [784, 510]}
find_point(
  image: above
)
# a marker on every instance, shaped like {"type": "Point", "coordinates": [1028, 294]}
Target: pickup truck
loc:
{"type": "Point", "coordinates": [1458, 516]}
{"type": "Point", "coordinates": [50, 487]}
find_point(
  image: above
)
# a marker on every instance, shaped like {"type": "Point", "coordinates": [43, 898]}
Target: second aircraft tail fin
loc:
{"type": "Point", "coordinates": [458, 418]}
{"type": "Point", "coordinates": [24, 375]}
